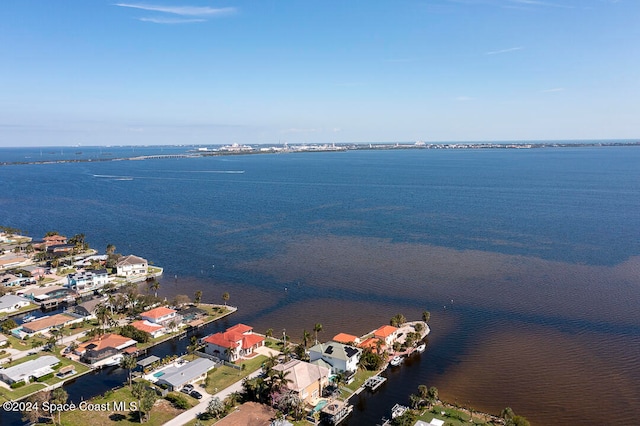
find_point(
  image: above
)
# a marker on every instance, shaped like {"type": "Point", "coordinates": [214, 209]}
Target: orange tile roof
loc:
{"type": "Point", "coordinates": [143, 325]}
{"type": "Point", "coordinates": [344, 338]}
{"type": "Point", "coordinates": [157, 312]}
{"type": "Point", "coordinates": [229, 339]}
{"type": "Point", "coordinates": [240, 328]}
{"type": "Point", "coordinates": [106, 341]}
{"type": "Point", "coordinates": [52, 321]}
{"type": "Point", "coordinates": [385, 330]}
{"type": "Point", "coordinates": [371, 342]}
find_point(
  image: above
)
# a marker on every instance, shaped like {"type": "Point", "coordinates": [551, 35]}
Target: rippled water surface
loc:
{"type": "Point", "coordinates": [529, 260]}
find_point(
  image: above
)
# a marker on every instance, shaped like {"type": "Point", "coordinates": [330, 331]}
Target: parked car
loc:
{"type": "Point", "coordinates": [187, 389]}
{"type": "Point", "coordinates": [196, 394]}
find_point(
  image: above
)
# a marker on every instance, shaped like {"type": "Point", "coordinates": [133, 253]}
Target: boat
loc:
{"type": "Point", "coordinates": [28, 318]}
{"type": "Point", "coordinates": [398, 410]}
{"type": "Point", "coordinates": [115, 360]}
{"type": "Point", "coordinates": [421, 347]}
{"type": "Point", "coordinates": [396, 361]}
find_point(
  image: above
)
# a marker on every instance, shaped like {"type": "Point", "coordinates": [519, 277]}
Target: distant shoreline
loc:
{"type": "Point", "coordinates": [285, 149]}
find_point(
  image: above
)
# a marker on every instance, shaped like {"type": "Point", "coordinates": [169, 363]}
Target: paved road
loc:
{"type": "Point", "coordinates": [202, 406]}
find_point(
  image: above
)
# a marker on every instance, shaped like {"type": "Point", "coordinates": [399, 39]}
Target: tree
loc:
{"type": "Point", "coordinates": [154, 285]}
{"type": "Point", "coordinates": [128, 362]}
{"type": "Point", "coordinates": [103, 315]}
{"type": "Point", "coordinates": [426, 316]}
{"type": "Point", "coordinates": [280, 380]}
{"type": "Point", "coordinates": [317, 329]}
{"type": "Point", "coordinates": [215, 408]}
{"type": "Point", "coordinates": [432, 395]}
{"type": "Point", "coordinates": [36, 411]}
{"type": "Point", "coordinates": [148, 400]}
{"type": "Point", "coordinates": [306, 336]}
{"type": "Point", "coordinates": [419, 327]}
{"type": "Point", "coordinates": [8, 325]}
{"type": "Point", "coordinates": [507, 413]}
{"type": "Point", "coordinates": [198, 297]}
{"type": "Point", "coordinates": [181, 299]}
{"type": "Point", "coordinates": [225, 297]}
{"type": "Point", "coordinates": [59, 396]}
{"type": "Point", "coordinates": [268, 333]}
{"type": "Point", "coordinates": [138, 390]}
{"type": "Point", "coordinates": [397, 320]}
{"type": "Point", "coordinates": [111, 249]}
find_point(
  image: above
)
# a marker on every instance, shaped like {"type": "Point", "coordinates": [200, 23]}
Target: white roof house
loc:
{"type": "Point", "coordinates": [178, 376]}
{"type": "Point", "coordinates": [11, 303]}
{"type": "Point", "coordinates": [35, 368]}
{"type": "Point", "coordinates": [131, 265]}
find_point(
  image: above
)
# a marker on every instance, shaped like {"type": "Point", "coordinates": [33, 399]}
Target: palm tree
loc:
{"type": "Point", "coordinates": [138, 391]}
{"type": "Point", "coordinates": [286, 351]}
{"type": "Point", "coordinates": [103, 314]}
{"type": "Point", "coordinates": [280, 379]}
{"type": "Point", "coordinates": [111, 249]}
{"type": "Point", "coordinates": [306, 336]}
{"type": "Point", "coordinates": [225, 297]}
{"type": "Point", "coordinates": [317, 329]}
{"type": "Point", "coordinates": [426, 316]}
{"type": "Point", "coordinates": [269, 332]}
{"type": "Point", "coordinates": [128, 362]}
{"type": "Point", "coordinates": [198, 297]}
{"type": "Point", "coordinates": [229, 353]}
{"type": "Point", "coordinates": [58, 397]}
{"type": "Point", "coordinates": [154, 285]}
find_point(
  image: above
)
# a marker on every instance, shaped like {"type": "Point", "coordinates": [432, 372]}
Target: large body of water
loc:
{"type": "Point", "coordinates": [529, 260]}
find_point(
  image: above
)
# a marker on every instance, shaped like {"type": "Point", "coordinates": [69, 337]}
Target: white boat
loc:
{"type": "Point", "coordinates": [398, 410]}
{"type": "Point", "coordinates": [395, 361]}
{"type": "Point", "coordinates": [28, 318]}
{"type": "Point", "coordinates": [115, 360]}
{"type": "Point", "coordinates": [421, 347]}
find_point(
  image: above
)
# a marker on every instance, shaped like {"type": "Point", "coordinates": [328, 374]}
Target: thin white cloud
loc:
{"type": "Point", "coordinates": [556, 89]}
{"type": "Point", "coordinates": [181, 10]}
{"type": "Point", "coordinates": [540, 3]}
{"type": "Point", "coordinates": [298, 130]}
{"type": "Point", "coordinates": [171, 20]}
{"type": "Point", "coordinates": [498, 52]}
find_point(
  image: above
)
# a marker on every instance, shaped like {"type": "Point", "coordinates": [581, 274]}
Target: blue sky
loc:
{"type": "Point", "coordinates": [95, 72]}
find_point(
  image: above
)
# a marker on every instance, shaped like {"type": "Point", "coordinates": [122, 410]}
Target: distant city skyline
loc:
{"type": "Point", "coordinates": [162, 72]}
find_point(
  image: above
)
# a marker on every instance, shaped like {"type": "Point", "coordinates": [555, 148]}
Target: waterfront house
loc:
{"type": "Point", "coordinates": [89, 308]}
{"type": "Point", "coordinates": [373, 343]}
{"type": "Point", "coordinates": [11, 303]}
{"type": "Point", "coordinates": [131, 266]}
{"type": "Point", "coordinates": [34, 368]}
{"type": "Point", "coordinates": [45, 324]}
{"type": "Point", "coordinates": [162, 316]}
{"type": "Point", "coordinates": [103, 348]}
{"type": "Point", "coordinates": [87, 281]}
{"type": "Point", "coordinates": [387, 333]}
{"type": "Point", "coordinates": [237, 342]}
{"type": "Point", "coordinates": [60, 248]}
{"type": "Point", "coordinates": [175, 377]}
{"type": "Point", "coordinates": [155, 330]}
{"type": "Point", "coordinates": [347, 339]}
{"type": "Point", "coordinates": [307, 380]}
{"type": "Point", "coordinates": [340, 357]}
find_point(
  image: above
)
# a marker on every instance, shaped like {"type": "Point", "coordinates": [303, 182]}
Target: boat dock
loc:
{"type": "Point", "coordinates": [374, 382]}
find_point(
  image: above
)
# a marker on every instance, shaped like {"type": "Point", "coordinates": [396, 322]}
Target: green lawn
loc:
{"type": "Point", "coordinates": [361, 377]}
{"type": "Point", "coordinates": [222, 377]}
{"type": "Point", "coordinates": [162, 412]}
{"type": "Point", "coordinates": [451, 416]}
{"type": "Point", "coordinates": [14, 394]}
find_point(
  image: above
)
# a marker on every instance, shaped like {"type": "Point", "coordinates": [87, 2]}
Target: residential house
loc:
{"type": "Point", "coordinates": [339, 357]}
{"type": "Point", "coordinates": [175, 377]}
{"type": "Point", "coordinates": [90, 260]}
{"type": "Point", "coordinates": [48, 241]}
{"type": "Point", "coordinates": [11, 303]}
{"type": "Point", "coordinates": [45, 324]}
{"type": "Point", "coordinates": [3, 340]}
{"type": "Point", "coordinates": [387, 333]}
{"type": "Point", "coordinates": [306, 380]}
{"type": "Point", "coordinates": [34, 368]}
{"type": "Point", "coordinates": [131, 265]}
{"type": "Point", "coordinates": [36, 271]}
{"type": "Point", "coordinates": [11, 261]}
{"type": "Point", "coordinates": [103, 348]}
{"type": "Point", "coordinates": [10, 280]}
{"type": "Point", "coordinates": [373, 343]}
{"type": "Point", "coordinates": [87, 281]}
{"type": "Point", "coordinates": [347, 339]}
{"type": "Point", "coordinates": [89, 308]}
{"type": "Point", "coordinates": [237, 342]}
{"type": "Point", "coordinates": [60, 248]}
{"type": "Point", "coordinates": [163, 316]}
{"type": "Point", "coordinates": [155, 330]}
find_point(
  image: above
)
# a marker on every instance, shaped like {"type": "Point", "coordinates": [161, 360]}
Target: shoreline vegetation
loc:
{"type": "Point", "coordinates": [236, 149]}
{"type": "Point", "coordinates": [158, 407]}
